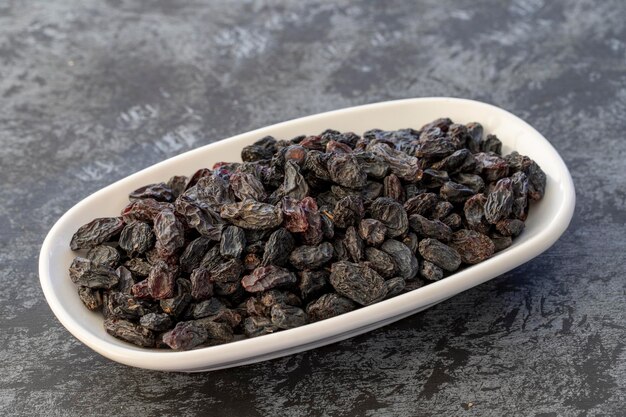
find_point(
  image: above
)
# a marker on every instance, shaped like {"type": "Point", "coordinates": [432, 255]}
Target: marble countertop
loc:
{"type": "Point", "coordinates": [92, 91]}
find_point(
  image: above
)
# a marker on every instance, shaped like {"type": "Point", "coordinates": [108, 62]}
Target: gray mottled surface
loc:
{"type": "Point", "coordinates": [91, 91]}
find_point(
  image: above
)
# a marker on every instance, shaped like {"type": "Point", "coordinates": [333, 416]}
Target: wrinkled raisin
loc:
{"type": "Point", "coordinates": [129, 332]}
{"type": "Point", "coordinates": [96, 232]}
{"type": "Point", "coordinates": [440, 254]}
{"type": "Point", "coordinates": [265, 277]}
{"type": "Point", "coordinates": [473, 247]}
{"type": "Point", "coordinates": [185, 336]}
{"type": "Point", "coordinates": [357, 282]}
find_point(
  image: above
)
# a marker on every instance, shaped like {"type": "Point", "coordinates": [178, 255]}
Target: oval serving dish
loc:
{"type": "Point", "coordinates": [547, 220]}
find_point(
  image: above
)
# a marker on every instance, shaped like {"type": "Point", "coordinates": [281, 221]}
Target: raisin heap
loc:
{"type": "Point", "coordinates": [302, 230]}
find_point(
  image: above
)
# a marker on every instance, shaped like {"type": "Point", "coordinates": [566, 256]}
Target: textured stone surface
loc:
{"type": "Point", "coordinates": [91, 91]}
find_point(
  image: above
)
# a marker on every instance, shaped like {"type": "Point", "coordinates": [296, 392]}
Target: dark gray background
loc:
{"type": "Point", "coordinates": [91, 91]}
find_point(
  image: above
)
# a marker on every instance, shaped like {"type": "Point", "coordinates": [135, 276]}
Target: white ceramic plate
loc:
{"type": "Point", "coordinates": [547, 220]}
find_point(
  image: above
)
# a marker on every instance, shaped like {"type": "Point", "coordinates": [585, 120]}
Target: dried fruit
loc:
{"type": "Point", "coordinates": [177, 184]}
{"type": "Point", "coordinates": [440, 254]}
{"type": "Point", "coordinates": [442, 210]}
{"type": "Point", "coordinates": [201, 284]}
{"type": "Point", "coordinates": [201, 173]}
{"type": "Point", "coordinates": [311, 257]}
{"type": "Point", "coordinates": [287, 317]}
{"type": "Point", "coordinates": [381, 262]}
{"type": "Point", "coordinates": [141, 289]}
{"type": "Point", "coordinates": [193, 254]}
{"type": "Point", "coordinates": [233, 242]}
{"type": "Point", "coordinates": [278, 248]}
{"type": "Point", "coordinates": [327, 226]}
{"type": "Point", "coordinates": [251, 261]}
{"type": "Point", "coordinates": [313, 283]}
{"type": "Point", "coordinates": [296, 154]}
{"type": "Point", "coordinates": [199, 216]}
{"type": "Point", "coordinates": [294, 185]}
{"type": "Point", "coordinates": [169, 232]}
{"type": "Point", "coordinates": [499, 201]}
{"type": "Point", "coordinates": [438, 147]}
{"type": "Point", "coordinates": [422, 204]}
{"type": "Point", "coordinates": [335, 221]}
{"type": "Point", "coordinates": [510, 227]}
{"type": "Point", "coordinates": [247, 186]}
{"type": "Point", "coordinates": [92, 299]}
{"type": "Point", "coordinates": [86, 273]}
{"type": "Point", "coordinates": [217, 333]}
{"type": "Point", "coordinates": [536, 177]}
{"type": "Point", "coordinates": [250, 214]}
{"type": "Point", "coordinates": [157, 322]}
{"type": "Point", "coordinates": [212, 259]}
{"type": "Point", "coordinates": [432, 178]}
{"type": "Point", "coordinates": [405, 166]}
{"type": "Point", "coordinates": [501, 242]}
{"type": "Point", "coordinates": [536, 182]}
{"type": "Point", "coordinates": [373, 165]}
{"type": "Point", "coordinates": [472, 181]}
{"type": "Point", "coordinates": [455, 193]}
{"type": "Point", "coordinates": [457, 161]}
{"type": "Point", "coordinates": [474, 136]}
{"type": "Point", "coordinates": [136, 238]}
{"type": "Point", "coordinates": [353, 244]}
{"type": "Point", "coordinates": [104, 255]}
{"type": "Point", "coordinates": [430, 228]}
{"type": "Point", "coordinates": [161, 281]}
{"type": "Point", "coordinates": [430, 271]}
{"type": "Point", "coordinates": [411, 241]}
{"type": "Point", "coordinates": [394, 286]}
{"type": "Point", "coordinates": [344, 169]}
{"type": "Point", "coordinates": [315, 165]}
{"type": "Point", "coordinates": [491, 144]}
{"type": "Point", "coordinates": [474, 210]}
{"type": "Point", "coordinates": [329, 305]}
{"type": "Point", "coordinates": [124, 306]}
{"type": "Point", "coordinates": [491, 167]}
{"type": "Point", "coordinates": [261, 149]}
{"type": "Point", "coordinates": [391, 214]}
{"type": "Point", "coordinates": [473, 247]}
{"type": "Point", "coordinates": [405, 260]}
{"type": "Point", "coordinates": [314, 234]}
{"type": "Point", "coordinates": [206, 308]}
{"type": "Point", "coordinates": [138, 266]}
{"type": "Point", "coordinates": [348, 211]}
{"type": "Point", "coordinates": [453, 221]}
{"type": "Point", "coordinates": [372, 231]}
{"type": "Point", "coordinates": [271, 297]}
{"type": "Point", "coordinates": [185, 336]}
{"type": "Point", "coordinates": [144, 210]}
{"type": "Point", "coordinates": [519, 182]}
{"type": "Point", "coordinates": [96, 232]}
{"type": "Point", "coordinates": [337, 147]}
{"type": "Point", "coordinates": [129, 332]}
{"type": "Point", "coordinates": [255, 326]}
{"type": "Point", "coordinates": [357, 282]}
{"type": "Point", "coordinates": [392, 188]}
{"type": "Point", "coordinates": [176, 305]}
{"type": "Point", "coordinates": [437, 127]}
{"type": "Point", "coordinates": [158, 192]}
{"type": "Point", "coordinates": [296, 220]}
{"type": "Point", "coordinates": [265, 277]}
{"type": "Point", "coordinates": [226, 276]}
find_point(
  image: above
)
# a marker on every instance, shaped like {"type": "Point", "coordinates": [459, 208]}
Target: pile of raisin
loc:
{"type": "Point", "coordinates": [302, 230]}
